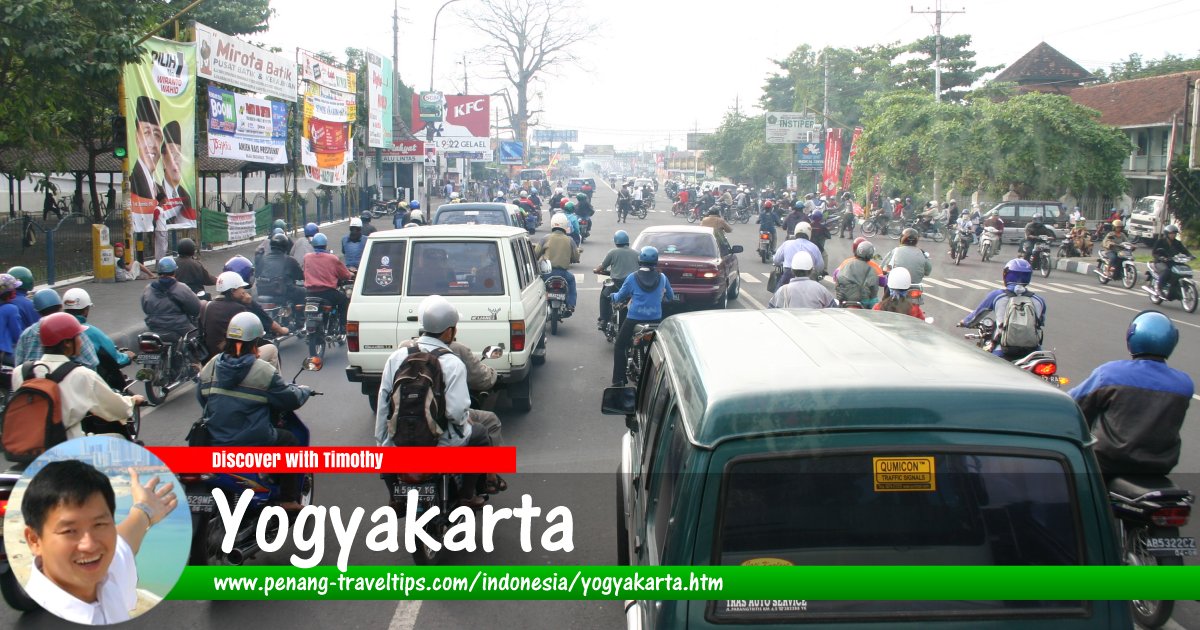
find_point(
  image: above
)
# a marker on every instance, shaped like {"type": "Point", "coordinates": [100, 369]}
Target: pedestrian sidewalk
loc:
{"type": "Point", "coordinates": [116, 306]}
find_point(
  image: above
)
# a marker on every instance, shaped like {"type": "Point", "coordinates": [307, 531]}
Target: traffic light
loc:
{"type": "Point", "coordinates": [120, 150]}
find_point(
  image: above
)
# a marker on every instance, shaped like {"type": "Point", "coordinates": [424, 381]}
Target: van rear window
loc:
{"type": "Point", "coordinates": [449, 268]}
{"type": "Point", "coordinates": [918, 509]}
{"type": "Point", "coordinates": [471, 217]}
{"type": "Point", "coordinates": [384, 268]}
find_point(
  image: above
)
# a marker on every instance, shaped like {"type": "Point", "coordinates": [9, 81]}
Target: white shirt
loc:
{"type": "Point", "coordinates": [637, 194]}
{"type": "Point", "coordinates": [80, 392]}
{"type": "Point", "coordinates": [458, 398]}
{"type": "Point", "coordinates": [115, 596]}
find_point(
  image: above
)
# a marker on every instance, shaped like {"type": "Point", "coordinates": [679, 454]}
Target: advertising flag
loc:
{"type": "Point", "coordinates": [466, 124]}
{"type": "Point", "coordinates": [160, 110]}
{"type": "Point", "coordinates": [833, 161]}
{"type": "Point", "coordinates": [379, 98]}
{"type": "Point", "coordinates": [241, 127]}
{"type": "Point", "coordinates": [858, 131]}
{"type": "Point", "coordinates": [230, 61]}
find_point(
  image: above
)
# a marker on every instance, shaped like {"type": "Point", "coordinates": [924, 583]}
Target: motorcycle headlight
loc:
{"type": "Point", "coordinates": [987, 322]}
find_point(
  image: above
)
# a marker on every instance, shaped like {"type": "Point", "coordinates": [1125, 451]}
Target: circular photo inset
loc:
{"type": "Point", "coordinates": [93, 532]}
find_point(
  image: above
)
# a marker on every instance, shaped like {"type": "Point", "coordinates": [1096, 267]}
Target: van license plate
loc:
{"type": "Point", "coordinates": [149, 359]}
{"type": "Point", "coordinates": [1181, 546]}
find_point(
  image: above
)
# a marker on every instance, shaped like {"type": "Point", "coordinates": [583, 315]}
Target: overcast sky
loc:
{"type": "Point", "coordinates": [656, 69]}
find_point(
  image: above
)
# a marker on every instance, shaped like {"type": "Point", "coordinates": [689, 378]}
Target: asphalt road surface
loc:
{"type": "Point", "coordinates": [568, 451]}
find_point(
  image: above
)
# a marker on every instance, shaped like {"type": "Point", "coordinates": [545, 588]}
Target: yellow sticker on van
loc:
{"type": "Point", "coordinates": [904, 474]}
{"type": "Point", "coordinates": [767, 562]}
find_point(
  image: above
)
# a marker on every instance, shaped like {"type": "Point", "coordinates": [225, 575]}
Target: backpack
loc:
{"type": "Point", "coordinates": [1019, 332]}
{"type": "Point", "coordinates": [418, 400]}
{"type": "Point", "coordinates": [32, 421]}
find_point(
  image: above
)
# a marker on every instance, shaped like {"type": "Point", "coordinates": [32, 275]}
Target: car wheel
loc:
{"type": "Point", "coordinates": [535, 357]}
{"type": "Point", "coordinates": [735, 290]}
{"type": "Point", "coordinates": [622, 532]}
{"type": "Point", "coordinates": [723, 302]}
{"type": "Point", "coordinates": [522, 402]}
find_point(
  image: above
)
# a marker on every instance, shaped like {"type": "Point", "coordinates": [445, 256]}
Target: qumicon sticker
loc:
{"type": "Point", "coordinates": [904, 474]}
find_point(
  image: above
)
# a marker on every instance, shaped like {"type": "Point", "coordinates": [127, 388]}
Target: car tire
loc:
{"type": "Point", "coordinates": [523, 402]}
{"type": "Point", "coordinates": [534, 357]}
{"type": "Point", "coordinates": [723, 302]}
{"type": "Point", "coordinates": [622, 531]}
{"type": "Point", "coordinates": [735, 290]}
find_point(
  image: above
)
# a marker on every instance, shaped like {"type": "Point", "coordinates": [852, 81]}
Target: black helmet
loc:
{"type": "Point", "coordinates": [366, 216]}
{"type": "Point", "coordinates": [187, 247]}
{"type": "Point", "coordinates": [909, 237]}
{"type": "Point", "coordinates": [279, 242]}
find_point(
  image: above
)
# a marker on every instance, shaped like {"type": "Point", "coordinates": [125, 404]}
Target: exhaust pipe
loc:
{"type": "Point", "coordinates": [239, 554]}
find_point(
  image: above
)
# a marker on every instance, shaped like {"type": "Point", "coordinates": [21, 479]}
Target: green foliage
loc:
{"type": "Point", "coordinates": [240, 17]}
{"type": "Point", "coordinates": [1135, 68]}
{"type": "Point", "coordinates": [1184, 199]}
{"type": "Point", "coordinates": [739, 150]}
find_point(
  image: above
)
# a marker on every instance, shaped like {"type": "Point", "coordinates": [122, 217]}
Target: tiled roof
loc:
{"type": "Point", "coordinates": [1044, 65]}
{"type": "Point", "coordinates": [1150, 101]}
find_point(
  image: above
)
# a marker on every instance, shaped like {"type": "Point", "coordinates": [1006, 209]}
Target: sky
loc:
{"type": "Point", "coordinates": [655, 69]}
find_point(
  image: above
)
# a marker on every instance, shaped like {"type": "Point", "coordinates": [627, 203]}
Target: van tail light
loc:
{"type": "Point", "coordinates": [516, 335]}
{"type": "Point", "coordinates": [352, 336]}
{"type": "Point", "coordinates": [1045, 368]}
{"type": "Point", "coordinates": [411, 478]}
{"type": "Point", "coordinates": [1171, 517]}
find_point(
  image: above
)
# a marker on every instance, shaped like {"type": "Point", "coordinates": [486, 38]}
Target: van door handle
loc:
{"type": "Point", "coordinates": [412, 318]}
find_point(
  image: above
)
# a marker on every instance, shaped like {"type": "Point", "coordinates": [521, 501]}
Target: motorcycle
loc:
{"type": "Point", "coordinates": [321, 326]}
{"type": "Point", "coordinates": [381, 208]}
{"type": "Point", "coordinates": [1183, 288]}
{"type": "Point", "coordinates": [741, 214]}
{"type": "Point", "coordinates": [1039, 258]}
{"type": "Point", "coordinates": [961, 245]}
{"type": "Point", "coordinates": [1150, 510]}
{"type": "Point", "coordinates": [585, 228]}
{"type": "Point", "coordinates": [165, 366]}
{"type": "Point", "coordinates": [290, 316]}
{"type": "Point", "coordinates": [933, 231]}
{"type": "Point", "coordinates": [694, 214]}
{"type": "Point", "coordinates": [556, 301]}
{"type": "Point", "coordinates": [1126, 272]}
{"type": "Point", "coordinates": [1068, 249]}
{"type": "Point", "coordinates": [877, 223]}
{"type": "Point", "coordinates": [766, 250]}
{"type": "Point", "coordinates": [989, 243]}
{"type": "Point", "coordinates": [1041, 363]}
{"type": "Point", "coordinates": [639, 347]}
{"type": "Point", "coordinates": [639, 209]}
{"type": "Point", "coordinates": [208, 530]}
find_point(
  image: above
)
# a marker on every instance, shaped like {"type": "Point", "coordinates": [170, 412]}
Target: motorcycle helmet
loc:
{"type": "Point", "coordinates": [311, 229]}
{"type": "Point", "coordinates": [436, 315]}
{"type": "Point", "coordinates": [280, 224]}
{"type": "Point", "coordinates": [245, 326]}
{"type": "Point", "coordinates": [280, 231]}
{"type": "Point", "coordinates": [569, 207]}
{"type": "Point", "coordinates": [242, 266]}
{"type": "Point", "coordinates": [8, 283]}
{"type": "Point", "coordinates": [799, 205]}
{"type": "Point", "coordinates": [899, 279]}
{"type": "Point", "coordinates": [1017, 271]}
{"type": "Point", "coordinates": [558, 191]}
{"type": "Point", "coordinates": [73, 300]}
{"type": "Point", "coordinates": [1150, 334]}
{"type": "Point", "coordinates": [414, 205]}
{"type": "Point", "coordinates": [562, 203]}
{"type": "Point", "coordinates": [858, 241]}
{"type": "Point", "coordinates": [620, 238]}
{"type": "Point", "coordinates": [560, 222]}
{"type": "Point", "coordinates": [581, 197]}
{"type": "Point", "coordinates": [909, 236]}
{"type": "Point", "coordinates": [817, 215]}
{"type": "Point", "coordinates": [45, 299]}
{"type": "Point", "coordinates": [166, 266]}
{"type": "Point", "coordinates": [229, 280]}
{"type": "Point", "coordinates": [804, 229]}
{"type": "Point", "coordinates": [24, 275]}
{"type": "Point", "coordinates": [802, 261]}
{"type": "Point", "coordinates": [355, 223]}
{"type": "Point", "coordinates": [280, 242]}
{"type": "Point", "coordinates": [320, 241]}
{"type": "Point", "coordinates": [59, 327]}
{"type": "Point", "coordinates": [524, 194]}
{"type": "Point", "coordinates": [648, 256]}
{"type": "Point", "coordinates": [768, 205]}
{"type": "Point", "coordinates": [1118, 223]}
{"type": "Point", "coordinates": [186, 247]}
{"type": "Point", "coordinates": [865, 250]}
{"type": "Point", "coordinates": [1171, 229]}
{"type": "Point", "coordinates": [365, 216]}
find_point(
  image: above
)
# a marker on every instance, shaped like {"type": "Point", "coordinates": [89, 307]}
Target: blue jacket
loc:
{"type": "Point", "coordinates": [10, 327]}
{"type": "Point", "coordinates": [29, 314]}
{"type": "Point", "coordinates": [647, 287]}
{"type": "Point", "coordinates": [352, 250]}
{"type": "Point", "coordinates": [238, 395]}
{"type": "Point", "coordinates": [103, 344]}
{"type": "Point", "coordinates": [768, 220]}
{"type": "Point", "coordinates": [574, 221]}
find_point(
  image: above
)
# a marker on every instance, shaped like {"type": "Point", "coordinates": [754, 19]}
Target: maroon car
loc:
{"type": "Point", "coordinates": [700, 272]}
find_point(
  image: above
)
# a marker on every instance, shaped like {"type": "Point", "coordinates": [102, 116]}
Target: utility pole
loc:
{"type": "Point", "coordinates": [825, 108]}
{"type": "Point", "coordinates": [395, 47]}
{"type": "Point", "coordinates": [937, 12]}
{"type": "Point", "coordinates": [466, 90]}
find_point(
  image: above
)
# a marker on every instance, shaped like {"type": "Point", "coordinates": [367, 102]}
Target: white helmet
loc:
{"type": "Point", "coordinates": [560, 221]}
{"type": "Point", "coordinates": [803, 227]}
{"type": "Point", "coordinates": [437, 315]}
{"type": "Point", "coordinates": [524, 194]}
{"type": "Point", "coordinates": [230, 280]}
{"type": "Point", "coordinates": [76, 300]}
{"type": "Point", "coordinates": [558, 190]}
{"type": "Point", "coordinates": [356, 222]}
{"type": "Point", "coordinates": [802, 261]}
{"type": "Point", "coordinates": [899, 279]}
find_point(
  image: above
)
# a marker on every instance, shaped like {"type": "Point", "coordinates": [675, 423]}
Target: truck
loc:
{"type": "Point", "coordinates": [1150, 215]}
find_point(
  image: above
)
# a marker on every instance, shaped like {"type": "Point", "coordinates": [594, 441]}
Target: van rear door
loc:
{"type": "Point", "coordinates": [376, 302]}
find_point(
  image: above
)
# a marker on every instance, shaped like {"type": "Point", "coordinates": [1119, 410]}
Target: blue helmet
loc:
{"type": "Point", "coordinates": [414, 205]}
{"type": "Point", "coordinates": [166, 265]}
{"type": "Point", "coordinates": [310, 229]}
{"type": "Point", "coordinates": [1151, 333]}
{"type": "Point", "coordinates": [648, 256]}
{"type": "Point", "coordinates": [242, 266]}
{"type": "Point", "coordinates": [621, 237]}
{"type": "Point", "coordinates": [277, 231]}
{"type": "Point", "coordinates": [817, 215]}
{"type": "Point", "coordinates": [1018, 271]}
{"type": "Point", "coordinates": [45, 299]}
{"type": "Point", "coordinates": [799, 205]}
{"type": "Point", "coordinates": [320, 241]}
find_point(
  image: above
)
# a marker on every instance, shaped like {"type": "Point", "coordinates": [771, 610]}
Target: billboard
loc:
{"type": "Point", "coordinates": [379, 100]}
{"type": "Point", "coordinates": [329, 109]}
{"type": "Point", "coordinates": [230, 61]}
{"type": "Point", "coordinates": [695, 141]}
{"type": "Point", "coordinates": [512, 152]}
{"type": "Point", "coordinates": [791, 128]}
{"type": "Point", "coordinates": [465, 126]}
{"type": "Point", "coordinates": [160, 114]}
{"type": "Point", "coordinates": [599, 149]}
{"type": "Point", "coordinates": [404, 152]}
{"type": "Point", "coordinates": [810, 156]}
{"type": "Point", "coordinates": [552, 136]}
{"type": "Point", "coordinates": [241, 127]}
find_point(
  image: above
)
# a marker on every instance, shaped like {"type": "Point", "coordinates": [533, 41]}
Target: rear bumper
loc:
{"type": "Point", "coordinates": [698, 294]}
{"type": "Point", "coordinates": [370, 380]}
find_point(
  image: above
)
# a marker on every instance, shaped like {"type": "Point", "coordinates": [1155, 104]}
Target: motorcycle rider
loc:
{"type": "Point", "coordinates": [1112, 243]}
{"type": "Point", "coordinates": [559, 250]}
{"type": "Point", "coordinates": [1081, 239]}
{"type": "Point", "coordinates": [1032, 231]}
{"type": "Point", "coordinates": [353, 244]}
{"type": "Point", "coordinates": [1167, 247]}
{"type": "Point", "coordinates": [583, 206]}
{"type": "Point", "coordinates": [964, 233]}
{"type": "Point", "coordinates": [794, 218]}
{"type": "Point", "coordinates": [909, 256]}
{"type": "Point", "coordinates": [24, 304]}
{"type": "Point", "coordinates": [168, 304]}
{"type": "Point", "coordinates": [233, 298]}
{"type": "Point", "coordinates": [439, 325]}
{"type": "Point", "coordinates": [801, 242]}
{"type": "Point", "coordinates": [994, 221]}
{"type": "Point", "coordinates": [896, 300]}
{"type": "Point", "coordinates": [77, 303]}
{"type": "Point", "coordinates": [190, 271]}
{"type": "Point", "coordinates": [768, 221]}
{"type": "Point", "coordinates": [322, 274]}
{"type": "Point", "coordinates": [10, 318]}
{"type": "Point", "coordinates": [859, 277]}
{"type": "Point", "coordinates": [802, 291]}
{"type": "Point", "coordinates": [618, 263]}
{"type": "Point", "coordinates": [1016, 275]}
{"type": "Point", "coordinates": [556, 200]}
{"type": "Point", "coordinates": [1135, 407]}
{"type": "Point", "coordinates": [303, 246]}
{"type": "Point", "coordinates": [29, 345]}
{"type": "Point", "coordinates": [239, 394]}
{"type": "Point", "coordinates": [639, 197]}
{"type": "Point", "coordinates": [713, 219]}
{"type": "Point", "coordinates": [645, 289]}
{"type": "Point", "coordinates": [569, 212]}
{"type": "Point", "coordinates": [367, 228]}
{"type": "Point", "coordinates": [280, 275]}
{"type": "Point", "coordinates": [265, 245]}
{"type": "Point", "coordinates": [847, 222]}
{"type": "Point", "coordinates": [820, 233]}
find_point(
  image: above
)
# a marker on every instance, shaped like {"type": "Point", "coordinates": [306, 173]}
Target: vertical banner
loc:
{"type": "Point", "coordinates": [833, 161]}
{"type": "Point", "coordinates": [327, 123]}
{"type": "Point", "coordinates": [858, 131]}
{"type": "Point", "coordinates": [160, 110]}
{"type": "Point", "coordinates": [379, 99]}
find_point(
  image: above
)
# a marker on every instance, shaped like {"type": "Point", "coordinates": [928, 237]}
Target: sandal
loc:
{"type": "Point", "coordinates": [496, 485]}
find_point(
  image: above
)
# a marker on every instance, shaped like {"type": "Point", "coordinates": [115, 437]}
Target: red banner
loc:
{"type": "Point", "coordinates": [850, 160]}
{"type": "Point", "coordinates": [465, 116]}
{"type": "Point", "coordinates": [338, 459]}
{"type": "Point", "coordinates": [833, 161]}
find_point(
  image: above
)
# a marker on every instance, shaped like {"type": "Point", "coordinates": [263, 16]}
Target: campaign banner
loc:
{"type": "Point", "coordinates": [160, 114]}
{"type": "Point", "coordinates": [810, 156]}
{"type": "Point", "coordinates": [858, 131]}
{"type": "Point", "coordinates": [409, 152]}
{"type": "Point", "coordinates": [465, 126]}
{"type": "Point", "coordinates": [512, 152]}
{"type": "Point", "coordinates": [791, 128]}
{"type": "Point", "coordinates": [313, 69]}
{"type": "Point", "coordinates": [228, 60]}
{"type": "Point", "coordinates": [833, 161]}
{"type": "Point", "coordinates": [379, 99]}
{"type": "Point", "coordinates": [329, 104]}
{"type": "Point", "coordinates": [241, 127]}
{"type": "Point", "coordinates": [326, 125]}
{"type": "Point", "coordinates": [224, 227]}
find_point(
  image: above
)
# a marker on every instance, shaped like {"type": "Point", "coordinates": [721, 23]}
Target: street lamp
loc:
{"type": "Point", "coordinates": [433, 45]}
{"type": "Point", "coordinates": [429, 127]}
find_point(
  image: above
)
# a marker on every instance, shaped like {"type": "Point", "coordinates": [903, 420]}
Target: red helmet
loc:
{"type": "Point", "coordinates": [563, 203]}
{"type": "Point", "coordinates": [854, 245]}
{"type": "Point", "coordinates": [769, 204]}
{"type": "Point", "coordinates": [57, 328]}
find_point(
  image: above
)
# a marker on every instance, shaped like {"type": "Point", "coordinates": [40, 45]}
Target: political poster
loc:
{"type": "Point", "coordinates": [379, 98]}
{"type": "Point", "coordinates": [241, 127]}
{"type": "Point", "coordinates": [465, 127]}
{"type": "Point", "coordinates": [329, 110]}
{"type": "Point", "coordinates": [833, 161]}
{"type": "Point", "coordinates": [228, 60]}
{"type": "Point", "coordinates": [160, 114]}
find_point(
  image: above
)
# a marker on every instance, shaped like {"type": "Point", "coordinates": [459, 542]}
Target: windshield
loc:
{"type": "Point", "coordinates": [1147, 205]}
{"type": "Point", "coordinates": [449, 268]}
{"type": "Point", "coordinates": [679, 243]}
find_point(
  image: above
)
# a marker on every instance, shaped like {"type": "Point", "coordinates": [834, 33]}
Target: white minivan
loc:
{"type": "Point", "coordinates": [487, 271]}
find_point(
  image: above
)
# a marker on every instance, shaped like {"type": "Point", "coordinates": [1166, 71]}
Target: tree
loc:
{"type": "Point", "coordinates": [738, 149]}
{"type": "Point", "coordinates": [1134, 68]}
{"type": "Point", "coordinates": [959, 71]}
{"type": "Point", "coordinates": [528, 38]}
{"type": "Point", "coordinates": [1184, 193]}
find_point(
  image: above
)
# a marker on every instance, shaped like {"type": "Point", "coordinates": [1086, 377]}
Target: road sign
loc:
{"type": "Point", "coordinates": [791, 128]}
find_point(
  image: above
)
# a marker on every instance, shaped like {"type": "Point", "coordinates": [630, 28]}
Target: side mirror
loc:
{"type": "Point", "coordinates": [737, 249]}
{"type": "Point", "coordinates": [313, 364]}
{"type": "Point", "coordinates": [619, 401]}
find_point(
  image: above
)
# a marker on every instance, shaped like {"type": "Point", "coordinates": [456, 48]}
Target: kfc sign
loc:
{"type": "Point", "coordinates": [466, 117]}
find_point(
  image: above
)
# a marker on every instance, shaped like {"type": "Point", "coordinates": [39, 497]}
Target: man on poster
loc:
{"type": "Point", "coordinates": [179, 200]}
{"type": "Point", "coordinates": [149, 138]}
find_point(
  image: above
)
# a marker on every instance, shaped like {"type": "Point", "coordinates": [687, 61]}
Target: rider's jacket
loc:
{"type": "Point", "coordinates": [647, 287]}
{"type": "Point", "coordinates": [238, 395]}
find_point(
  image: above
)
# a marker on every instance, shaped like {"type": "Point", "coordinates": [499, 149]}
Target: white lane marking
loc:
{"type": "Point", "coordinates": [1137, 310]}
{"type": "Point", "coordinates": [1075, 287]}
{"type": "Point", "coordinates": [1044, 287]}
{"type": "Point", "coordinates": [749, 277]}
{"type": "Point", "coordinates": [578, 277]}
{"type": "Point", "coordinates": [938, 283]}
{"type": "Point", "coordinates": [766, 274]}
{"type": "Point", "coordinates": [991, 284]}
{"type": "Point", "coordinates": [405, 616]}
{"type": "Point", "coordinates": [969, 284]}
{"type": "Point", "coordinates": [1196, 396]}
{"type": "Point", "coordinates": [746, 296]}
{"type": "Point", "coordinates": [945, 301]}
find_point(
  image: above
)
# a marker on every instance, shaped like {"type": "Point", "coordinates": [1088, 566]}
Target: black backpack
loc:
{"type": "Point", "coordinates": [418, 400]}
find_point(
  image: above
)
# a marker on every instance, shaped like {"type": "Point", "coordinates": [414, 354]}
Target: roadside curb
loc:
{"type": "Point", "coordinates": [1076, 265]}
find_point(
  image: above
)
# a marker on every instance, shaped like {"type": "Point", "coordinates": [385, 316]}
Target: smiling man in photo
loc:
{"type": "Point", "coordinates": [83, 569]}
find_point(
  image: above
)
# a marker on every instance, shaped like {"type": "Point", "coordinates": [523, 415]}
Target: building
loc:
{"type": "Point", "coordinates": [1044, 69]}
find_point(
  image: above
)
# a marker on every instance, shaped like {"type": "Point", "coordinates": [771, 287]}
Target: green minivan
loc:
{"type": "Point", "coordinates": [849, 437]}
